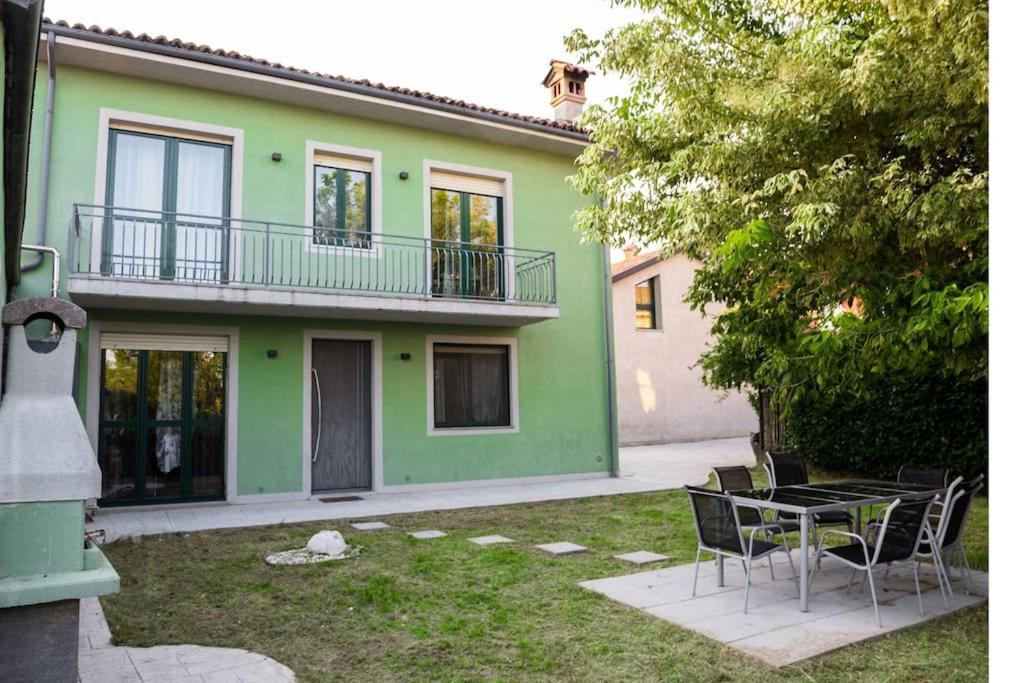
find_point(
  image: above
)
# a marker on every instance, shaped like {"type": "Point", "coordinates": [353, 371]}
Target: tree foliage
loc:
{"type": "Point", "coordinates": [827, 162]}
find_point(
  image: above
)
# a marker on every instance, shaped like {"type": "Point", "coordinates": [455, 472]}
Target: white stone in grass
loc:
{"type": "Point", "coordinates": [306, 556]}
{"type": "Point", "coordinates": [327, 542]}
{"type": "Point", "coordinates": [370, 526]}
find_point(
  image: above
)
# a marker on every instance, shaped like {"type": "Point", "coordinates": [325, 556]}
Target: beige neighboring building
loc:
{"type": "Point", "coordinates": [658, 342]}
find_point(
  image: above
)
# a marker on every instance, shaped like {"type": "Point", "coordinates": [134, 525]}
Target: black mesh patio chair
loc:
{"type": "Point", "coordinates": [896, 539]}
{"type": "Point", "coordinates": [718, 530]}
{"type": "Point", "coordinates": [950, 535]}
{"type": "Point", "coordinates": [738, 478]}
{"type": "Point", "coordinates": [789, 469]}
{"type": "Point", "coordinates": [939, 526]}
{"type": "Point", "coordinates": [936, 478]}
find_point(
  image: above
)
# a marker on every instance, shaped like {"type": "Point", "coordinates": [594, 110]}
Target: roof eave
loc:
{"type": "Point", "coordinates": [633, 269]}
{"type": "Point", "coordinates": [577, 137]}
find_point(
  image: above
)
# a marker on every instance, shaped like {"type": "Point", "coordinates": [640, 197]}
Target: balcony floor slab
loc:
{"type": "Point", "coordinates": [104, 292]}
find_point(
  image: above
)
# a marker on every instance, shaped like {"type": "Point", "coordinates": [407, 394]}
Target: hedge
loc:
{"type": "Point", "coordinates": [927, 422]}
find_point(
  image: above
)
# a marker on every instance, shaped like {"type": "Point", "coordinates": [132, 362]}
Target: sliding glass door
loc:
{"type": "Point", "coordinates": [466, 254]}
{"type": "Point", "coordinates": [169, 196]}
{"type": "Point", "coordinates": [161, 431]}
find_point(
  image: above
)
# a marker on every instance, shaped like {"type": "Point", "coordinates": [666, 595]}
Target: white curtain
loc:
{"type": "Point", "coordinates": [138, 184]}
{"type": "Point", "coordinates": [200, 191]}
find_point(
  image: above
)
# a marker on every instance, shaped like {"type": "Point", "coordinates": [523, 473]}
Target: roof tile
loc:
{"type": "Point", "coordinates": [177, 43]}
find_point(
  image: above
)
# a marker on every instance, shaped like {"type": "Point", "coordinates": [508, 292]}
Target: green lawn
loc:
{"type": "Point", "coordinates": [446, 609]}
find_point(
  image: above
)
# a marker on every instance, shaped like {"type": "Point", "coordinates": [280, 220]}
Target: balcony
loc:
{"type": "Point", "coordinates": [152, 260]}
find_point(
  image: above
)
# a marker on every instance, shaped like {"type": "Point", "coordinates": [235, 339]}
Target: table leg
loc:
{"type": "Point", "coordinates": [804, 562]}
{"type": "Point", "coordinates": [720, 560]}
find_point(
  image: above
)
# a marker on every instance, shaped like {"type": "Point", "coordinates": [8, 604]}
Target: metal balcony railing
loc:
{"type": "Point", "coordinates": [138, 245]}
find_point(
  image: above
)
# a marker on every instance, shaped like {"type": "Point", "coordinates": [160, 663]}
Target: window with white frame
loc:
{"type": "Point", "coordinates": [467, 229]}
{"type": "Point", "coordinates": [170, 198]}
{"type": "Point", "coordinates": [472, 385]}
{"type": "Point", "coordinates": [342, 200]}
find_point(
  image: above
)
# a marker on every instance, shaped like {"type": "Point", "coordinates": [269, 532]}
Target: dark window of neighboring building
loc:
{"type": "Point", "coordinates": [471, 386]}
{"type": "Point", "coordinates": [646, 304]}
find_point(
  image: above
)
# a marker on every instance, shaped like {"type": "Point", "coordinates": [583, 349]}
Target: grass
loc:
{"type": "Point", "coordinates": [445, 609]}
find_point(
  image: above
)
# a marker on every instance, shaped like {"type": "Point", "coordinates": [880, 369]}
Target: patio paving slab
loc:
{"type": "Point", "coordinates": [642, 557]}
{"type": "Point", "coordinates": [103, 662]}
{"type": "Point", "coordinates": [490, 540]}
{"type": "Point", "coordinates": [370, 526]}
{"type": "Point", "coordinates": [431, 533]}
{"type": "Point", "coordinates": [774, 630]}
{"type": "Point", "coordinates": [562, 548]}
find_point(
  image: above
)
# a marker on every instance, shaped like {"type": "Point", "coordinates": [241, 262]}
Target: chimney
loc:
{"type": "Point", "coordinates": [630, 250]}
{"type": "Point", "coordinates": [567, 85]}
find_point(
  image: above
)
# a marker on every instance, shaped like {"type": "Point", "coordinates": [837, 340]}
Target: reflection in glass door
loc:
{"type": "Point", "coordinates": [466, 254]}
{"type": "Point", "coordinates": [161, 436]}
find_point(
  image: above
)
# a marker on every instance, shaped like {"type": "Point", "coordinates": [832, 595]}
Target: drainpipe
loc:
{"type": "Point", "coordinates": [44, 185]}
{"type": "Point", "coordinates": [612, 382]}
{"type": "Point", "coordinates": [42, 251]}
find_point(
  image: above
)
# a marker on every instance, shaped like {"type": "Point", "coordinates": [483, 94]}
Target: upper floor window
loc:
{"type": "Point", "coordinates": [170, 196]}
{"type": "Point", "coordinates": [646, 305]}
{"type": "Point", "coordinates": [341, 201]}
{"type": "Point", "coordinates": [467, 226]}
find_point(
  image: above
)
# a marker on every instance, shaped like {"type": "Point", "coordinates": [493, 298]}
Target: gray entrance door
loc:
{"type": "Point", "coordinates": [341, 415]}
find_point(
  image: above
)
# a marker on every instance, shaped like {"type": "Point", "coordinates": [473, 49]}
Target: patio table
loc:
{"type": "Point", "coordinates": [823, 496]}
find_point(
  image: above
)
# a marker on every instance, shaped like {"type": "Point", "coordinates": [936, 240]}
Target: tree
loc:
{"type": "Point", "coordinates": [827, 162]}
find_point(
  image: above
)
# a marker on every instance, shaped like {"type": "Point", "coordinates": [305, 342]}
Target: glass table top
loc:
{"type": "Point", "coordinates": [834, 494]}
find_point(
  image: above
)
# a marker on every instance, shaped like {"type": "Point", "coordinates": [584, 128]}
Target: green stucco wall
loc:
{"type": "Point", "coordinates": [562, 380]}
{"type": "Point", "coordinates": [41, 538]}
{"type": "Point", "coordinates": [562, 405]}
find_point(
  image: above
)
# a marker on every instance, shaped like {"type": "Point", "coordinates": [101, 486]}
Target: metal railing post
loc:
{"type": "Point", "coordinates": [554, 279]}
{"type": "Point", "coordinates": [427, 266]}
{"type": "Point", "coordinates": [266, 256]}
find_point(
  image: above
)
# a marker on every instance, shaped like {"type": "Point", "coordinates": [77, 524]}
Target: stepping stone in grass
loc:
{"type": "Point", "coordinates": [490, 540]}
{"type": "Point", "coordinates": [433, 533]}
{"type": "Point", "coordinates": [642, 557]}
{"type": "Point", "coordinates": [562, 548]}
{"type": "Point", "coordinates": [370, 526]}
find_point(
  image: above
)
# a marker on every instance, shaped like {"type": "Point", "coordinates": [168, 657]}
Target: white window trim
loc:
{"type": "Point", "coordinates": [513, 385]}
{"type": "Point", "coordinates": [234, 137]}
{"type": "Point", "coordinates": [509, 226]}
{"type": "Point", "coordinates": [376, 208]}
{"type": "Point", "coordinates": [96, 330]}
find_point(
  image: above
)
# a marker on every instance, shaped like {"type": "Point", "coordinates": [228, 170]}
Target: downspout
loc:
{"type": "Point", "coordinates": [55, 275]}
{"type": "Point", "coordinates": [21, 19]}
{"type": "Point", "coordinates": [44, 185]}
{"type": "Point", "coordinates": [612, 381]}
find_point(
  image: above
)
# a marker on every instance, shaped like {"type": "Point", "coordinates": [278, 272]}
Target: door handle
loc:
{"type": "Point", "coordinates": [319, 414]}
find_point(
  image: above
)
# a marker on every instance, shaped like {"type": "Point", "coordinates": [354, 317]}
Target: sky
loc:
{"type": "Point", "coordinates": [490, 53]}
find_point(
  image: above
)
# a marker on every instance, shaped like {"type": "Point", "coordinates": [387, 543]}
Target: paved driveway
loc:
{"type": "Point", "coordinates": [676, 464]}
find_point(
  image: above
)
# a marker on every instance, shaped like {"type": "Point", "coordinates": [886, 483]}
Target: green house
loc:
{"type": "Point", "coordinates": [299, 284]}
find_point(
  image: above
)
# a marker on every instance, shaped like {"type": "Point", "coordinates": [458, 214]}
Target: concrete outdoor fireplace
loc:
{"type": "Point", "coordinates": [47, 471]}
